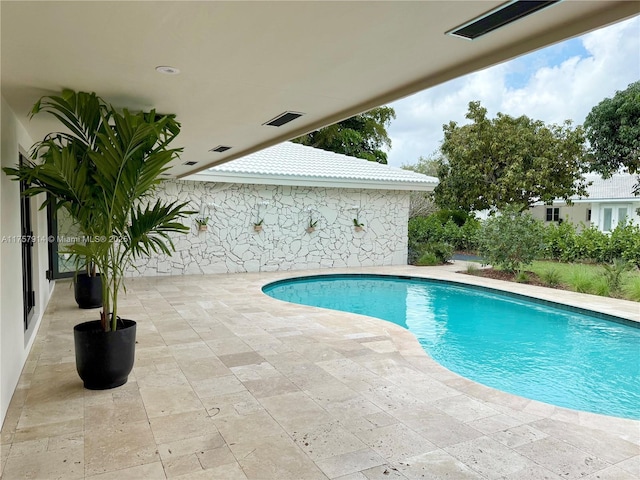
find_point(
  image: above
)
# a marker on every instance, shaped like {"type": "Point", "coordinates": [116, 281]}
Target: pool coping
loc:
{"type": "Point", "coordinates": [539, 301]}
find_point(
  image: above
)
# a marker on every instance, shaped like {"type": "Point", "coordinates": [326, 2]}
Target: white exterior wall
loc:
{"type": "Point", "coordinates": [15, 342]}
{"type": "Point", "coordinates": [577, 213]}
{"type": "Point", "coordinates": [597, 212]}
{"type": "Point", "coordinates": [231, 245]}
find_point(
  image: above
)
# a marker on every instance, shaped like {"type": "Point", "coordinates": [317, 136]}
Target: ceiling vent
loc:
{"type": "Point", "coordinates": [220, 149]}
{"type": "Point", "coordinates": [190, 163]}
{"type": "Point", "coordinates": [499, 17]}
{"type": "Point", "coordinates": [283, 118]}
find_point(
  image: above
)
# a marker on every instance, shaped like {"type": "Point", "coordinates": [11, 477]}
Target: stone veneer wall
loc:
{"type": "Point", "coordinates": [231, 245]}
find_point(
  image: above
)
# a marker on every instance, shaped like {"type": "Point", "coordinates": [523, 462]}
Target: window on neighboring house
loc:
{"type": "Point", "coordinates": [588, 214]}
{"type": "Point", "coordinates": [606, 223]}
{"type": "Point", "coordinates": [622, 215]}
{"type": "Point", "coordinates": [553, 214]}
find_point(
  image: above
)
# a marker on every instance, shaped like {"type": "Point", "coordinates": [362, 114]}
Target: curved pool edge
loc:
{"type": "Point", "coordinates": [626, 310]}
{"type": "Point", "coordinates": [533, 299]}
{"type": "Point", "coordinates": [417, 356]}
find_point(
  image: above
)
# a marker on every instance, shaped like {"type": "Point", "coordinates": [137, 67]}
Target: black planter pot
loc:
{"type": "Point", "coordinates": [104, 359]}
{"type": "Point", "coordinates": [88, 290]}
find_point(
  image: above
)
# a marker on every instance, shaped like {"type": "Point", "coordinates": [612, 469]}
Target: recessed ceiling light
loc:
{"type": "Point", "coordinates": [167, 70]}
{"type": "Point", "coordinates": [191, 162]}
{"type": "Point", "coordinates": [220, 148]}
{"type": "Point", "coordinates": [499, 17]}
{"type": "Point", "coordinates": [283, 118]}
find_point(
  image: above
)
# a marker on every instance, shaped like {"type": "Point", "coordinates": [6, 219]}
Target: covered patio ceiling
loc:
{"type": "Point", "coordinates": [243, 63]}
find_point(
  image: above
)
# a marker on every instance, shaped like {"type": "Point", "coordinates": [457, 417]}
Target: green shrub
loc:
{"type": "Point", "coordinates": [522, 277]}
{"type": "Point", "coordinates": [559, 241]}
{"type": "Point", "coordinates": [592, 244]}
{"type": "Point", "coordinates": [434, 253]}
{"type": "Point", "coordinates": [511, 240]}
{"type": "Point", "coordinates": [551, 277]}
{"type": "Point", "coordinates": [580, 280]}
{"type": "Point", "coordinates": [427, 259]}
{"type": "Point", "coordinates": [459, 217]}
{"type": "Point", "coordinates": [441, 227]}
{"type": "Point", "coordinates": [600, 286]}
{"type": "Point", "coordinates": [472, 269]}
{"type": "Point", "coordinates": [625, 243]}
{"type": "Point", "coordinates": [631, 288]}
{"type": "Point", "coordinates": [563, 243]}
{"type": "Point", "coordinates": [469, 234]}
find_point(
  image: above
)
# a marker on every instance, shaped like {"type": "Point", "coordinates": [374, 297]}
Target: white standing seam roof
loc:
{"type": "Point", "coordinates": [294, 164]}
{"type": "Point", "coordinates": [617, 187]}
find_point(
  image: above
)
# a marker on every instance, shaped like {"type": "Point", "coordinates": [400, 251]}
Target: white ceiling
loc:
{"type": "Point", "coordinates": [243, 63]}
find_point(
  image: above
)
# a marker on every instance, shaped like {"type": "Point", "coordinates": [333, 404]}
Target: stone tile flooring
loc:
{"type": "Point", "coordinates": [231, 384]}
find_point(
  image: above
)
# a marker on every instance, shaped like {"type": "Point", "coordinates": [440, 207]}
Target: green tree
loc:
{"type": "Point", "coordinates": [511, 240]}
{"type": "Point", "coordinates": [361, 136]}
{"type": "Point", "coordinates": [613, 131]}
{"type": "Point", "coordinates": [422, 204]}
{"type": "Point", "coordinates": [426, 165]}
{"type": "Point", "coordinates": [492, 163]}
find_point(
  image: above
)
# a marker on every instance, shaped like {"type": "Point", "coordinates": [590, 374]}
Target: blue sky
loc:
{"type": "Point", "coordinates": [557, 83]}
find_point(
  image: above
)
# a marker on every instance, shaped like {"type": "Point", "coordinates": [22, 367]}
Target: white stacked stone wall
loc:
{"type": "Point", "coordinates": [231, 245]}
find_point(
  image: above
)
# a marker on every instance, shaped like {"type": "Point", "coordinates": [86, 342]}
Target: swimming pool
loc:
{"type": "Point", "coordinates": [542, 351]}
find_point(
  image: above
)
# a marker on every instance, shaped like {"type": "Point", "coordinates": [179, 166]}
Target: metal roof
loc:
{"type": "Point", "coordinates": [617, 187]}
{"type": "Point", "coordinates": [294, 164]}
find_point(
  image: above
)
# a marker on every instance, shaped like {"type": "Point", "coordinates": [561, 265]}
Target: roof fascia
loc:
{"type": "Point", "coordinates": [220, 177]}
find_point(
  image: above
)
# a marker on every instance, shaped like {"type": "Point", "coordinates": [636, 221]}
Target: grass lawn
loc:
{"type": "Point", "coordinates": [585, 278]}
{"type": "Point", "coordinates": [579, 277]}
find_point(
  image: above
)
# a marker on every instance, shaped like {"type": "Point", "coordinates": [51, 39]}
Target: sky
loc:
{"type": "Point", "coordinates": [560, 82]}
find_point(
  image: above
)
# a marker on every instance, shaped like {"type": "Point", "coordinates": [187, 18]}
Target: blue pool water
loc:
{"type": "Point", "coordinates": [539, 351]}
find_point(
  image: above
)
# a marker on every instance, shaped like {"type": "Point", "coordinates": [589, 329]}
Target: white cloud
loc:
{"type": "Point", "coordinates": [553, 92]}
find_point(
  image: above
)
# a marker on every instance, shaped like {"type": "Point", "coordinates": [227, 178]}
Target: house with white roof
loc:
{"type": "Point", "coordinates": [609, 201]}
{"type": "Point", "coordinates": [286, 188]}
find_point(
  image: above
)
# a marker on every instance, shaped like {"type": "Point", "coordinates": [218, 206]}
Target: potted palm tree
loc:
{"type": "Point", "coordinates": [103, 170]}
{"type": "Point", "coordinates": [87, 284]}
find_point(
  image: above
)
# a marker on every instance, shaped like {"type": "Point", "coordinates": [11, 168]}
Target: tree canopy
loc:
{"type": "Point", "coordinates": [361, 136]}
{"type": "Point", "coordinates": [426, 165]}
{"type": "Point", "coordinates": [613, 130]}
{"type": "Point", "coordinates": [493, 163]}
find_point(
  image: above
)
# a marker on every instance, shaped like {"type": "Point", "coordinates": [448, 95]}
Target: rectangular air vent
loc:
{"type": "Point", "coordinates": [220, 149]}
{"type": "Point", "coordinates": [499, 17]}
{"type": "Point", "coordinates": [190, 163]}
{"type": "Point", "coordinates": [283, 118]}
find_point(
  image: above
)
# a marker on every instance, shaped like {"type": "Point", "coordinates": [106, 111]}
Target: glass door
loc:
{"type": "Point", "coordinates": [61, 234]}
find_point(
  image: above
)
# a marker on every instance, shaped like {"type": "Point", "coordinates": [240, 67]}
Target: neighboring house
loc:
{"type": "Point", "coordinates": [287, 186]}
{"type": "Point", "coordinates": [609, 202]}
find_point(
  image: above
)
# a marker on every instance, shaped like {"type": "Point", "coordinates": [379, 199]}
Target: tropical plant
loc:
{"type": "Point", "coordinates": [613, 273]}
{"type": "Point", "coordinates": [258, 223]}
{"type": "Point", "coordinates": [356, 223]}
{"type": "Point", "coordinates": [104, 171]}
{"type": "Point", "coordinates": [312, 223]}
{"type": "Point", "coordinates": [511, 240]}
{"type": "Point", "coordinates": [202, 221]}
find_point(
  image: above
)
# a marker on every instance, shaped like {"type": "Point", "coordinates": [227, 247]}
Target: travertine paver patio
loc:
{"type": "Point", "coordinates": [232, 384]}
